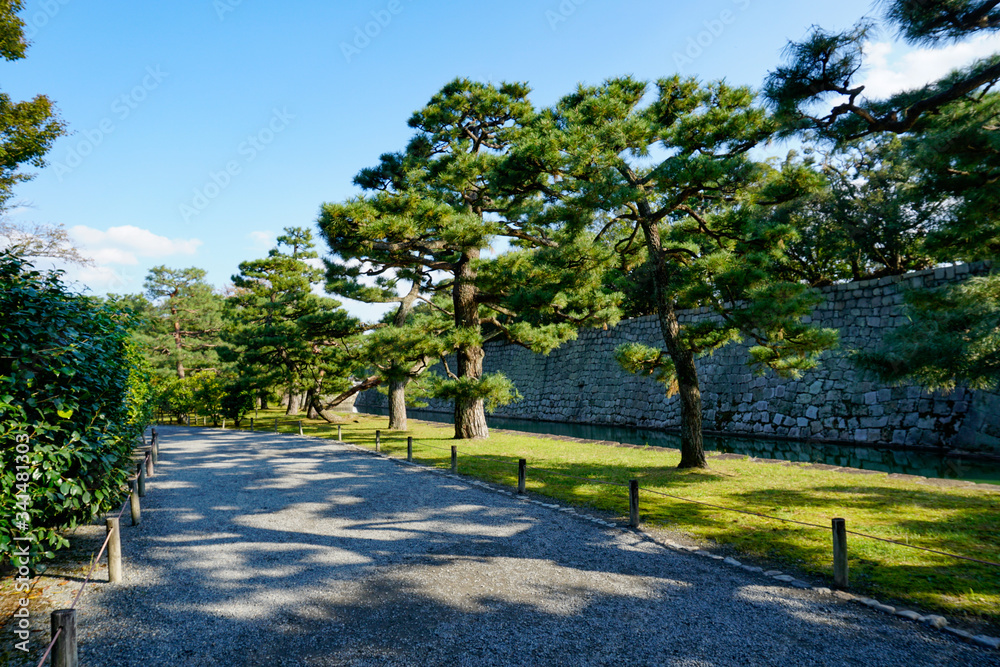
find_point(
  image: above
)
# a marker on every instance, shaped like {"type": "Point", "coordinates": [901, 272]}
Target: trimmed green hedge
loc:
{"type": "Point", "coordinates": [74, 396]}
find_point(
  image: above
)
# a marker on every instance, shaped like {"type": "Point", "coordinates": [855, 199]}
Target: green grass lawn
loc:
{"type": "Point", "coordinates": [955, 520]}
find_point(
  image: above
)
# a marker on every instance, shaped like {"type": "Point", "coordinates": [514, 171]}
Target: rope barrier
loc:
{"type": "Point", "coordinates": [815, 525]}
{"type": "Point", "coordinates": [443, 449]}
{"type": "Point", "coordinates": [806, 524]}
{"type": "Point", "coordinates": [589, 480]}
{"type": "Point", "coordinates": [50, 647]}
{"type": "Point", "coordinates": [93, 565]}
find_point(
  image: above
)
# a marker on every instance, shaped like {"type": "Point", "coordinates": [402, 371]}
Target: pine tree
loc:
{"type": "Point", "coordinates": [674, 180]}
{"type": "Point", "coordinates": [182, 329]}
{"type": "Point", "coordinates": [404, 345]}
{"type": "Point", "coordinates": [436, 207]}
{"type": "Point", "coordinates": [280, 331]}
{"type": "Point", "coordinates": [871, 218]}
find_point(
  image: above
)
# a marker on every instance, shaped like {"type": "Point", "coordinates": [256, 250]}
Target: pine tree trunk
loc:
{"type": "Point", "coordinates": [310, 408]}
{"type": "Point", "coordinates": [293, 402]}
{"type": "Point", "coordinates": [470, 415]}
{"type": "Point", "coordinates": [178, 343]}
{"type": "Point", "coordinates": [397, 405]}
{"type": "Point", "coordinates": [692, 440]}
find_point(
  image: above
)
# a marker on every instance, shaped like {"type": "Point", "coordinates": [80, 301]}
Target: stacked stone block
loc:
{"type": "Point", "coordinates": [581, 382]}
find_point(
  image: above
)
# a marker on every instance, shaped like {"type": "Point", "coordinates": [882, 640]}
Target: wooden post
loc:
{"type": "Point", "coordinates": [64, 653]}
{"type": "Point", "coordinates": [522, 465]}
{"type": "Point", "coordinates": [633, 503]}
{"type": "Point", "coordinates": [840, 553]}
{"type": "Point", "coordinates": [300, 427]}
{"type": "Point", "coordinates": [187, 419]}
{"type": "Point", "coordinates": [134, 503]}
{"type": "Point", "coordinates": [223, 423]}
{"type": "Point", "coordinates": [454, 459]}
{"type": "Point", "coordinates": [378, 440]}
{"type": "Point", "coordinates": [251, 424]}
{"type": "Point", "coordinates": [114, 552]}
{"type": "Point", "coordinates": [409, 448]}
{"type": "Point", "coordinates": [275, 424]}
{"type": "Point", "coordinates": [154, 442]}
{"type": "Point", "coordinates": [149, 465]}
{"type": "Point", "coordinates": [140, 474]}
{"type": "Point", "coordinates": [338, 434]}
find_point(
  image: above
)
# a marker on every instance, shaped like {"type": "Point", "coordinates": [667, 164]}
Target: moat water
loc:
{"type": "Point", "coordinates": [903, 461]}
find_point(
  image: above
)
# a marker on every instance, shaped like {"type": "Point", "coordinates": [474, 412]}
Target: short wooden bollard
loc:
{"type": "Point", "coordinates": [114, 552]}
{"type": "Point", "coordinates": [633, 503]}
{"type": "Point", "coordinates": [64, 653]}
{"type": "Point", "coordinates": [454, 459]}
{"type": "Point", "coordinates": [134, 503]}
{"type": "Point", "coordinates": [522, 474]}
{"type": "Point", "coordinates": [140, 474]}
{"type": "Point", "coordinates": [338, 433]}
{"type": "Point", "coordinates": [223, 423]}
{"type": "Point", "coordinates": [378, 440]}
{"type": "Point", "coordinates": [275, 424]}
{"type": "Point", "coordinates": [409, 448]}
{"type": "Point", "coordinates": [154, 443]}
{"type": "Point", "coordinates": [840, 553]}
{"type": "Point", "coordinates": [149, 465]}
{"type": "Point", "coordinates": [188, 417]}
{"type": "Point", "coordinates": [300, 427]}
{"type": "Point", "coordinates": [251, 424]}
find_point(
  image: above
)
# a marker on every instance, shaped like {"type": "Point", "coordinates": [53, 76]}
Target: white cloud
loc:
{"type": "Point", "coordinates": [893, 67]}
{"type": "Point", "coordinates": [263, 239]}
{"type": "Point", "coordinates": [125, 244]}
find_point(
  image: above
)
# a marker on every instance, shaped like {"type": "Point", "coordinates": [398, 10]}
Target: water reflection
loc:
{"type": "Point", "coordinates": [909, 462]}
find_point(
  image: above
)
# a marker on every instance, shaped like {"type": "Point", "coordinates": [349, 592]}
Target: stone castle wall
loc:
{"type": "Point", "coordinates": [581, 382]}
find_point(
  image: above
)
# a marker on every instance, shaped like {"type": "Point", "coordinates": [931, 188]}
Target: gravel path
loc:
{"type": "Point", "coordinates": [262, 549]}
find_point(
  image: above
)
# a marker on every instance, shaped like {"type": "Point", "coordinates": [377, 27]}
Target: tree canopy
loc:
{"type": "Point", "coordinates": [435, 207]}
{"type": "Point", "coordinates": [673, 183]}
{"type": "Point", "coordinates": [28, 128]}
{"type": "Point", "coordinates": [183, 321]}
{"type": "Point", "coordinates": [282, 333]}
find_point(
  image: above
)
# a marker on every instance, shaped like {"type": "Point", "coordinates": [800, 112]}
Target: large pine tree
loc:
{"type": "Point", "coordinates": [674, 180]}
{"type": "Point", "coordinates": [437, 206]}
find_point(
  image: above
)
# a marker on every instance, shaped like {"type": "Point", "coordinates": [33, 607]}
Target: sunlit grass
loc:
{"type": "Point", "coordinates": [954, 520]}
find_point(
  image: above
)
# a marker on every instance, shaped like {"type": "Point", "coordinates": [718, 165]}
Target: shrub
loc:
{"type": "Point", "coordinates": [74, 396]}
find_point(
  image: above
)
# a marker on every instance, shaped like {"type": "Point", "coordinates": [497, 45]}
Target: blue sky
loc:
{"type": "Point", "coordinates": [201, 128]}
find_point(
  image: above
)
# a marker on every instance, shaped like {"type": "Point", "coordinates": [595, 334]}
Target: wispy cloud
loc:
{"type": "Point", "coordinates": [892, 69]}
{"type": "Point", "coordinates": [262, 240]}
{"type": "Point", "coordinates": [126, 244]}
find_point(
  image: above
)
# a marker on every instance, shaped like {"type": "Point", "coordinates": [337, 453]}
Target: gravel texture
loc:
{"type": "Point", "coordinates": [263, 549]}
